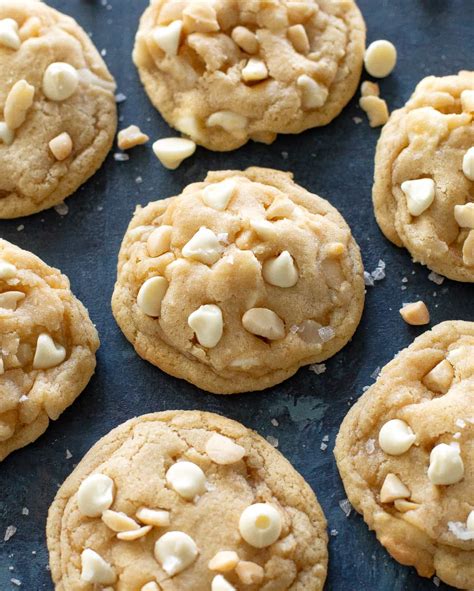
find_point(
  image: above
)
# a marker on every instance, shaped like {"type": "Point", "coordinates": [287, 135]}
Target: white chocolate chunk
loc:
{"type": "Point", "coordinates": [60, 81]}
{"type": "Point", "coordinates": [255, 70]}
{"type": "Point", "coordinates": [48, 354]}
{"type": "Point", "coordinates": [61, 146]}
{"type": "Point", "coordinates": [467, 101]}
{"type": "Point", "coordinates": [313, 94]}
{"type": "Point", "coordinates": [171, 151]}
{"type": "Point", "coordinates": [220, 583]}
{"type": "Point", "coordinates": [168, 38]}
{"type": "Point", "coordinates": [224, 561]}
{"type": "Point", "coordinates": [151, 295]}
{"type": "Point", "coordinates": [402, 505]}
{"type": "Point", "coordinates": [468, 164]}
{"type": "Point", "coordinates": [393, 488]}
{"type": "Point", "coordinates": [299, 38]}
{"type": "Point", "coordinates": [95, 569]}
{"type": "Point", "coordinates": [420, 194]}
{"type": "Point", "coordinates": [19, 100]}
{"type": "Point", "coordinates": [263, 229]}
{"type": "Point", "coordinates": [9, 36]}
{"type": "Point", "coordinates": [260, 525]}
{"type": "Point", "coordinates": [204, 246]}
{"type": "Point", "coordinates": [159, 241]}
{"type": "Point", "coordinates": [9, 299]}
{"type": "Point", "coordinates": [7, 270]}
{"type": "Point", "coordinates": [229, 121]}
{"type": "Point", "coordinates": [135, 534]}
{"type": "Point", "coordinates": [245, 39]}
{"type": "Point", "coordinates": [118, 521]}
{"type": "Point", "coordinates": [464, 215]}
{"type": "Point", "coordinates": [376, 109]}
{"type": "Point", "coordinates": [175, 551]}
{"type": "Point", "coordinates": [415, 313]}
{"type": "Point", "coordinates": [7, 135]}
{"type": "Point", "coordinates": [218, 195]}
{"type": "Point", "coordinates": [130, 137]}
{"type": "Point", "coordinates": [470, 521]}
{"type": "Point", "coordinates": [151, 586]}
{"type": "Point", "coordinates": [223, 450]}
{"type": "Point", "coordinates": [446, 465]}
{"type": "Point", "coordinates": [207, 324]}
{"type": "Point", "coordinates": [440, 378]}
{"type": "Point", "coordinates": [95, 495]}
{"type": "Point", "coordinates": [380, 58]}
{"type": "Point", "coordinates": [281, 270]}
{"type": "Point", "coordinates": [155, 517]}
{"type": "Point", "coordinates": [249, 573]}
{"type": "Point", "coordinates": [187, 479]}
{"type": "Point", "coordinates": [264, 323]}
{"type": "Point", "coordinates": [396, 437]}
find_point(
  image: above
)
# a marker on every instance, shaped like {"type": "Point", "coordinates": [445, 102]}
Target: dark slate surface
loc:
{"type": "Point", "coordinates": [433, 37]}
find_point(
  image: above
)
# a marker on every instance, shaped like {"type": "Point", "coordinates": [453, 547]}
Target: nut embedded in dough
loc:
{"type": "Point", "coordinates": [223, 450]}
{"type": "Point", "coordinates": [118, 521]}
{"type": "Point", "coordinates": [19, 100]}
{"type": "Point", "coordinates": [7, 135]}
{"type": "Point", "coordinates": [440, 378]}
{"type": "Point", "coordinates": [264, 323]}
{"type": "Point", "coordinates": [155, 517]}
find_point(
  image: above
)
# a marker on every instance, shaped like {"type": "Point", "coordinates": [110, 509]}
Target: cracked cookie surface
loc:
{"type": "Point", "coordinates": [136, 456]}
{"type": "Point", "coordinates": [429, 138]}
{"type": "Point", "coordinates": [269, 281]}
{"type": "Point", "coordinates": [224, 72]}
{"type": "Point", "coordinates": [34, 175]}
{"type": "Point", "coordinates": [429, 387]}
{"type": "Point", "coordinates": [48, 346]}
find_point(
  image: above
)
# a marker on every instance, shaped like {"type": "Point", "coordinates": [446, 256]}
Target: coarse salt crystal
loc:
{"type": "Point", "coordinates": [25, 511]}
{"type": "Point", "coordinates": [375, 374]}
{"type": "Point", "coordinates": [16, 582]}
{"type": "Point", "coordinates": [460, 423]}
{"type": "Point", "coordinates": [436, 581]}
{"type": "Point", "coordinates": [317, 368]}
{"type": "Point", "coordinates": [119, 157]}
{"type": "Point", "coordinates": [334, 532]}
{"type": "Point", "coordinates": [326, 438]}
{"type": "Point", "coordinates": [9, 533]}
{"type": "Point", "coordinates": [272, 440]}
{"type": "Point", "coordinates": [326, 333]}
{"type": "Point", "coordinates": [68, 455]}
{"type": "Point", "coordinates": [323, 446]}
{"type": "Point", "coordinates": [274, 422]}
{"type": "Point", "coordinates": [346, 507]}
{"type": "Point", "coordinates": [435, 278]}
{"type": "Point", "coordinates": [139, 180]}
{"type": "Point", "coordinates": [457, 435]}
{"type": "Point", "coordinates": [368, 279]}
{"type": "Point", "coordinates": [294, 328]}
{"type": "Point", "coordinates": [120, 97]}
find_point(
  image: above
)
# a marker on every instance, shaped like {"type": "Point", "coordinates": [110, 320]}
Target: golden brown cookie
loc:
{"type": "Point", "coordinates": [405, 453]}
{"type": "Point", "coordinates": [239, 281]}
{"type": "Point", "coordinates": [224, 72]}
{"type": "Point", "coordinates": [182, 500]}
{"type": "Point", "coordinates": [48, 346]}
{"type": "Point", "coordinates": [424, 173]}
{"type": "Point", "coordinates": [57, 107]}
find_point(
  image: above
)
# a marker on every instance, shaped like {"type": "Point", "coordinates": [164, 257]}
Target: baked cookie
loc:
{"type": "Point", "coordinates": [405, 452]}
{"type": "Point", "coordinates": [57, 107]}
{"type": "Point", "coordinates": [239, 281]}
{"type": "Point", "coordinates": [224, 72]}
{"type": "Point", "coordinates": [47, 344]}
{"type": "Point", "coordinates": [424, 171]}
{"type": "Point", "coordinates": [182, 500]}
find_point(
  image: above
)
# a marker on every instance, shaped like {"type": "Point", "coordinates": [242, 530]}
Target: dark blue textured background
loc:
{"type": "Point", "coordinates": [432, 37]}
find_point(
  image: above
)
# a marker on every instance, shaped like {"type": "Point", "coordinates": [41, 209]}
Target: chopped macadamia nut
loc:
{"type": "Point", "coordinates": [299, 38]}
{"type": "Point", "coordinates": [155, 517]}
{"type": "Point", "coordinates": [220, 583]}
{"type": "Point", "coordinates": [446, 465]}
{"type": "Point", "coordinates": [159, 241]}
{"type": "Point", "coordinates": [264, 323]}
{"type": "Point", "coordinates": [396, 437]}
{"type": "Point", "coordinates": [9, 36]}
{"type": "Point", "coordinates": [440, 378]}
{"type": "Point", "coordinates": [313, 94]}
{"type": "Point", "coordinates": [135, 534]}
{"type": "Point", "coordinates": [369, 88]}
{"type": "Point", "coordinates": [19, 100]}
{"type": "Point", "coordinates": [168, 38]}
{"type": "Point", "coordinates": [393, 488]}
{"type": "Point", "coordinates": [95, 569]}
{"type": "Point", "coordinates": [224, 561]}
{"type": "Point", "coordinates": [467, 101]}
{"type": "Point", "coordinates": [249, 573]}
{"type": "Point", "coordinates": [229, 121]}
{"type": "Point", "coordinates": [218, 195]}
{"type": "Point", "coordinates": [175, 551]}
{"type": "Point", "coordinates": [380, 58]}
{"type": "Point", "coordinates": [281, 270]}
{"type": "Point", "coordinates": [255, 70]}
{"type": "Point", "coordinates": [245, 39]}
{"type": "Point", "coordinates": [207, 324]}
{"type": "Point", "coordinates": [187, 479]}
{"type": "Point", "coordinates": [7, 270]}
{"type": "Point", "coordinates": [468, 249]}
{"type": "Point", "coordinates": [299, 11]}
{"type": "Point", "coordinates": [420, 194]}
{"type": "Point", "coordinates": [172, 151]}
{"type": "Point", "coordinates": [118, 521]}
{"type": "Point", "coordinates": [60, 81]}
{"type": "Point", "coordinates": [402, 505]}
{"type": "Point", "coordinates": [61, 146]}
{"type": "Point", "coordinates": [222, 450]}
{"type": "Point", "coordinates": [467, 163]}
{"type": "Point", "coordinates": [130, 137]}
{"type": "Point", "coordinates": [151, 294]}
{"type": "Point", "coordinates": [48, 354]}
{"type": "Point", "coordinates": [95, 495]}
{"type": "Point", "coordinates": [200, 18]}
{"type": "Point", "coordinates": [7, 135]}
{"type": "Point", "coordinates": [376, 109]}
{"type": "Point", "coordinates": [464, 215]}
{"type": "Point", "coordinates": [415, 313]}
{"type": "Point", "coordinates": [260, 525]}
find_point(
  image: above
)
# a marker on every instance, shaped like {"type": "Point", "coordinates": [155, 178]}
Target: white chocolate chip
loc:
{"type": "Point", "coordinates": [19, 100]}
{"type": "Point", "coordinates": [468, 249]}
{"type": "Point", "coordinates": [415, 313]}
{"type": "Point", "coordinates": [249, 573]}
{"type": "Point", "coordinates": [151, 586]}
{"type": "Point", "coordinates": [9, 299]}
{"type": "Point", "coordinates": [155, 517]}
{"type": "Point", "coordinates": [30, 28]}
{"type": "Point", "coordinates": [446, 465]}
{"type": "Point", "coordinates": [260, 525]}
{"type": "Point", "coordinates": [245, 39]}
{"type": "Point", "coordinates": [440, 378]}
{"type": "Point", "coordinates": [187, 479]}
{"type": "Point", "coordinates": [95, 495]}
{"type": "Point", "coordinates": [135, 534]}
{"type": "Point", "coordinates": [151, 295]}
{"type": "Point", "coordinates": [376, 109]}
{"type": "Point", "coordinates": [393, 488]}
{"type": "Point", "coordinates": [7, 135]}
{"type": "Point", "coordinates": [130, 137]}
{"type": "Point", "coordinates": [223, 450]}
{"type": "Point", "coordinates": [7, 270]}
{"type": "Point", "coordinates": [470, 521]}
{"type": "Point", "coordinates": [464, 215]}
{"type": "Point", "coordinates": [255, 70]}
{"type": "Point", "coordinates": [299, 38]}
{"type": "Point", "coordinates": [468, 164]}
{"type": "Point", "coordinates": [61, 146]}
{"type": "Point", "coordinates": [220, 583]}
{"type": "Point", "coordinates": [175, 551]}
{"type": "Point", "coordinates": [60, 81]}
{"type": "Point", "coordinates": [48, 354]}
{"type": "Point", "coordinates": [159, 241]}
{"type": "Point", "coordinates": [420, 194]}
{"type": "Point", "coordinates": [380, 58]}
{"type": "Point", "coordinates": [204, 246]}
{"type": "Point", "coordinates": [224, 561]}
{"type": "Point", "coordinates": [118, 521]}
{"type": "Point", "coordinates": [313, 94]}
{"type": "Point", "coordinates": [396, 437]}
{"type": "Point", "coordinates": [168, 38]}
{"type": "Point", "coordinates": [263, 229]}
{"type": "Point", "coordinates": [218, 195]}
{"type": "Point", "coordinates": [207, 324]}
{"type": "Point", "coordinates": [171, 151]}
{"type": "Point", "coordinates": [263, 323]}
{"type": "Point", "coordinates": [9, 36]}
{"type": "Point", "coordinates": [281, 270]}
{"type": "Point", "coordinates": [233, 123]}
{"type": "Point", "coordinates": [467, 101]}
{"type": "Point", "coordinates": [95, 569]}
{"type": "Point", "coordinates": [189, 125]}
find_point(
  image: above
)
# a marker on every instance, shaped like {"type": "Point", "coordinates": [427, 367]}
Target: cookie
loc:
{"type": "Point", "coordinates": [225, 72]}
{"type": "Point", "coordinates": [57, 108]}
{"type": "Point", "coordinates": [405, 453]}
{"type": "Point", "coordinates": [182, 500]}
{"type": "Point", "coordinates": [424, 172]}
{"type": "Point", "coordinates": [48, 346]}
{"type": "Point", "coordinates": [239, 281]}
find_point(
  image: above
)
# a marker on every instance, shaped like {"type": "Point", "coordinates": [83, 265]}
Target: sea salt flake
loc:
{"type": "Point", "coordinates": [284, 155]}
{"type": "Point", "coordinates": [334, 532]}
{"type": "Point", "coordinates": [23, 398]}
{"type": "Point", "coordinates": [404, 279]}
{"type": "Point", "coordinates": [370, 446]}
{"type": "Point", "coordinates": [139, 180]}
{"type": "Point", "coordinates": [119, 157]}
{"type": "Point", "coordinates": [326, 333]}
{"type": "Point", "coordinates": [274, 422]}
{"type": "Point", "coordinates": [435, 278]}
{"type": "Point", "coordinates": [368, 280]}
{"type": "Point", "coordinates": [120, 97]}
{"type": "Point", "coordinates": [326, 438]}
{"type": "Point", "coordinates": [460, 530]}
{"type": "Point", "coordinates": [323, 446]}
{"type": "Point", "coordinates": [379, 272]}
{"type": "Point", "coordinates": [460, 423]}
{"type": "Point", "coordinates": [9, 533]}
{"type": "Point", "coordinates": [20, 228]}
{"type": "Point", "coordinates": [294, 328]}
{"type": "Point", "coordinates": [345, 506]}
{"type": "Point", "coordinates": [16, 582]}
{"type": "Point", "coordinates": [317, 368]}
{"type": "Point", "coordinates": [25, 511]}
{"type": "Point", "coordinates": [375, 374]}
{"type": "Point", "coordinates": [457, 435]}
{"type": "Point", "coordinates": [272, 440]}
{"type": "Point", "coordinates": [357, 120]}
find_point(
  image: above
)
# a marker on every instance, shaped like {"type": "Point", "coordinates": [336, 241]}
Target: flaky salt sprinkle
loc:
{"type": "Point", "coordinates": [460, 423]}
{"type": "Point", "coordinates": [357, 120]}
{"type": "Point", "coordinates": [375, 374]}
{"type": "Point", "coordinates": [139, 180]}
{"type": "Point", "coordinates": [272, 440]}
{"type": "Point", "coordinates": [120, 97]}
{"type": "Point", "coordinates": [119, 157]}
{"type": "Point", "coordinates": [345, 506]}
{"type": "Point", "coordinates": [16, 582]}
{"type": "Point", "coordinates": [457, 435]}
{"type": "Point", "coordinates": [9, 533]}
{"type": "Point", "coordinates": [326, 333]}
{"type": "Point", "coordinates": [317, 368]}
{"type": "Point", "coordinates": [368, 279]}
{"type": "Point", "coordinates": [435, 278]}
{"type": "Point", "coordinates": [436, 581]}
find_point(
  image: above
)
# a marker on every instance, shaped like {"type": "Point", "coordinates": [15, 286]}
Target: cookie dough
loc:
{"type": "Point", "coordinates": [405, 453]}
{"type": "Point", "coordinates": [47, 343]}
{"type": "Point", "coordinates": [239, 281]}
{"type": "Point", "coordinates": [423, 189]}
{"type": "Point", "coordinates": [224, 72]}
{"type": "Point", "coordinates": [57, 107]}
{"type": "Point", "coordinates": [170, 515]}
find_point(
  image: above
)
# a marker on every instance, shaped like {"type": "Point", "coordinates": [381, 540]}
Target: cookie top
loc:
{"type": "Point", "coordinates": [430, 141]}
{"type": "Point", "coordinates": [223, 72]}
{"type": "Point", "coordinates": [48, 346]}
{"type": "Point", "coordinates": [239, 281]}
{"type": "Point", "coordinates": [53, 86]}
{"type": "Point", "coordinates": [405, 452]}
{"type": "Point", "coordinates": [194, 484]}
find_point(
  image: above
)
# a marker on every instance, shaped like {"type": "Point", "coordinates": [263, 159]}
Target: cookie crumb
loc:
{"type": "Point", "coordinates": [130, 137]}
{"type": "Point", "coordinates": [9, 533]}
{"type": "Point", "coordinates": [317, 368]}
{"type": "Point", "coordinates": [376, 109]}
{"type": "Point", "coordinates": [68, 454]}
{"type": "Point", "coordinates": [370, 446]}
{"type": "Point", "coordinates": [62, 209]}
{"type": "Point", "coordinates": [16, 582]}
{"type": "Point", "coordinates": [274, 422]}
{"type": "Point", "coordinates": [357, 120]}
